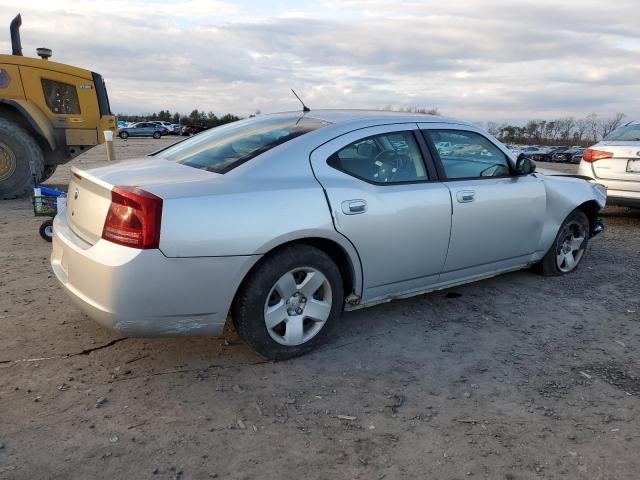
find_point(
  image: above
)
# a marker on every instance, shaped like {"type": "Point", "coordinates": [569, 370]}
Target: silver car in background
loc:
{"type": "Point", "coordinates": [615, 163]}
{"type": "Point", "coordinates": [141, 129]}
{"type": "Point", "coordinates": [282, 221]}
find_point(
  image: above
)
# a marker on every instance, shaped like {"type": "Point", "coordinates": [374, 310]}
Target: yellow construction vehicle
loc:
{"type": "Point", "coordinates": [49, 113]}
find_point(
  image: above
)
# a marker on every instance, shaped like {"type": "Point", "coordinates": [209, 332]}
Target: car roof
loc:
{"type": "Point", "coordinates": [384, 116]}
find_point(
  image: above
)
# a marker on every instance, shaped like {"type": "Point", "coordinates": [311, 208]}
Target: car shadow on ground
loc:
{"type": "Point", "coordinates": [614, 211]}
{"type": "Point", "coordinates": [397, 330]}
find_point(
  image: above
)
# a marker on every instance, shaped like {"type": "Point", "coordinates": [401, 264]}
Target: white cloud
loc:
{"type": "Point", "coordinates": [475, 60]}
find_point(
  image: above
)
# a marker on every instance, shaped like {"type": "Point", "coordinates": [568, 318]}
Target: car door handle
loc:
{"type": "Point", "coordinates": [466, 196]}
{"type": "Point", "coordinates": [354, 207]}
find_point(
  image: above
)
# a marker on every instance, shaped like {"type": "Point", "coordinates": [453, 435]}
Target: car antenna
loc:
{"type": "Point", "coordinates": [304, 107]}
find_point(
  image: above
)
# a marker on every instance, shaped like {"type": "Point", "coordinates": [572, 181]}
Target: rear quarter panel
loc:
{"type": "Point", "coordinates": [243, 218]}
{"type": "Point", "coordinates": [249, 210]}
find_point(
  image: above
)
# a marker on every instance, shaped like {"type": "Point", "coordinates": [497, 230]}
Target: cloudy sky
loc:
{"type": "Point", "coordinates": [476, 60]}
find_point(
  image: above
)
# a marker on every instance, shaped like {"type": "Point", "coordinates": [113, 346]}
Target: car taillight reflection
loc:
{"type": "Point", "coordinates": [133, 218]}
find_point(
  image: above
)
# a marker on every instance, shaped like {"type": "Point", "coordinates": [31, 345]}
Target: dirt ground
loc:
{"type": "Point", "coordinates": [516, 377]}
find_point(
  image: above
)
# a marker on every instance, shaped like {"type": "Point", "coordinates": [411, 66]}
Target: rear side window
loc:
{"type": "Point", "coordinates": [468, 154]}
{"type": "Point", "coordinates": [387, 158]}
{"type": "Point", "coordinates": [627, 133]}
{"type": "Point", "coordinates": [61, 97]}
{"type": "Point", "coordinates": [223, 148]}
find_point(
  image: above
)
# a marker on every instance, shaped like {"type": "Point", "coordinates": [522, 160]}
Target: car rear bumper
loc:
{"type": "Point", "coordinates": [143, 292]}
{"type": "Point", "coordinates": [623, 193]}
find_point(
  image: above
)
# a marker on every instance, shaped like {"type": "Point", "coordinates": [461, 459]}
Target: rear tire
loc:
{"type": "Point", "coordinates": [21, 160]}
{"type": "Point", "coordinates": [46, 230]}
{"type": "Point", "coordinates": [568, 248]}
{"type": "Point", "coordinates": [307, 316]}
{"type": "Point", "coordinates": [157, 135]}
{"type": "Point", "coordinates": [123, 135]}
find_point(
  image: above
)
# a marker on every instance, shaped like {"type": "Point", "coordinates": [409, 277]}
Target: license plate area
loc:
{"type": "Point", "coordinates": [633, 166]}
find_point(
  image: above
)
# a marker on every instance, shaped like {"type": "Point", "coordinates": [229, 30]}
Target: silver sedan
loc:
{"type": "Point", "coordinates": [280, 222]}
{"type": "Point", "coordinates": [615, 162]}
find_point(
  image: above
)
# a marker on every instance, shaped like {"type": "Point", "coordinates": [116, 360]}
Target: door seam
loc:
{"type": "Point", "coordinates": [333, 222]}
{"type": "Point", "coordinates": [446, 256]}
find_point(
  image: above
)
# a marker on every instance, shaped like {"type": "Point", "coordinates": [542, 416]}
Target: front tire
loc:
{"type": "Point", "coordinates": [289, 303]}
{"type": "Point", "coordinates": [123, 135]}
{"type": "Point", "coordinates": [568, 248]}
{"type": "Point", "coordinates": [21, 160]}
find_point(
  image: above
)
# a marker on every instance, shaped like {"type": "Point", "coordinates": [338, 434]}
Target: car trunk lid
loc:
{"type": "Point", "coordinates": [624, 165]}
{"type": "Point", "coordinates": [89, 194]}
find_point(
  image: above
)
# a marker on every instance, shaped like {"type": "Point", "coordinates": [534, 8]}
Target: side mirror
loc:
{"type": "Point", "coordinates": [524, 165]}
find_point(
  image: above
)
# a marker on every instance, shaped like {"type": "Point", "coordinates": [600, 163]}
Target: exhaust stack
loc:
{"type": "Point", "coordinates": [14, 28]}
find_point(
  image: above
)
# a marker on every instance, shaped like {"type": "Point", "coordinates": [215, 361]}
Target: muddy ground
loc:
{"type": "Point", "coordinates": [516, 377]}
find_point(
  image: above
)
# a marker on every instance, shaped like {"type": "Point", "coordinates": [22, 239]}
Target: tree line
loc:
{"type": "Point", "coordinates": [414, 109]}
{"type": "Point", "coordinates": [196, 117]}
{"type": "Point", "coordinates": [561, 131]}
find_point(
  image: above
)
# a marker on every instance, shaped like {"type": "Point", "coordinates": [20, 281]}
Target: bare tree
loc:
{"type": "Point", "coordinates": [593, 126]}
{"type": "Point", "coordinates": [530, 129]}
{"type": "Point", "coordinates": [493, 128]}
{"type": "Point", "coordinates": [426, 111]}
{"type": "Point", "coordinates": [608, 125]}
{"type": "Point", "coordinates": [565, 127]}
{"type": "Point", "coordinates": [550, 130]}
{"type": "Point", "coordinates": [580, 129]}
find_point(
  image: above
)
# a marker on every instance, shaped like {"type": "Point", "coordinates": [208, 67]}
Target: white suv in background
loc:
{"type": "Point", "coordinates": [615, 163]}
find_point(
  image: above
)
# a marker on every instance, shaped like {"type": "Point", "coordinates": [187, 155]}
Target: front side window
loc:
{"type": "Point", "coordinates": [386, 158]}
{"type": "Point", "coordinates": [222, 148]}
{"type": "Point", "coordinates": [61, 97]}
{"type": "Point", "coordinates": [468, 154]}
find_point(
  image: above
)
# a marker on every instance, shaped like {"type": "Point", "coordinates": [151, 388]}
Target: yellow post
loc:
{"type": "Point", "coordinates": [108, 141]}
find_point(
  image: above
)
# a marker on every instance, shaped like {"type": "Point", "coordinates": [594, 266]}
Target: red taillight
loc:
{"type": "Point", "coordinates": [590, 155]}
{"type": "Point", "coordinates": [133, 218]}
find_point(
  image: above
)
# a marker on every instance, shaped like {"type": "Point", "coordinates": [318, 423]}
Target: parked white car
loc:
{"type": "Point", "coordinates": [285, 220]}
{"type": "Point", "coordinates": [615, 163]}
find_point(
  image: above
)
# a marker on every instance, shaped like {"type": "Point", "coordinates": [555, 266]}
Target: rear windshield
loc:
{"type": "Point", "coordinates": [628, 132]}
{"type": "Point", "coordinates": [223, 148]}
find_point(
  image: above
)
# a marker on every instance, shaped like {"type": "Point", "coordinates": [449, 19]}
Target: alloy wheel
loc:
{"type": "Point", "coordinates": [570, 248]}
{"type": "Point", "coordinates": [298, 306]}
